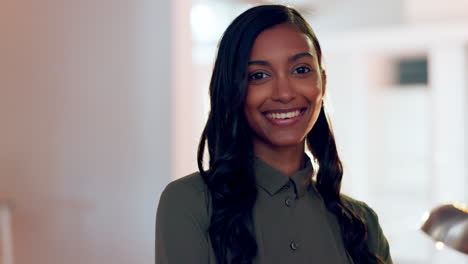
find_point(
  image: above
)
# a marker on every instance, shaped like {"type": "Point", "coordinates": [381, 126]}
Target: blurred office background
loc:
{"type": "Point", "coordinates": [102, 103]}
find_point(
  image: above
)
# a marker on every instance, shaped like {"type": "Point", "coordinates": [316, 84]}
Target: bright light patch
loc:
{"type": "Point", "coordinates": [461, 206]}
{"type": "Point", "coordinates": [203, 22]}
{"type": "Point", "coordinates": [425, 216]}
{"type": "Point", "coordinates": [439, 245]}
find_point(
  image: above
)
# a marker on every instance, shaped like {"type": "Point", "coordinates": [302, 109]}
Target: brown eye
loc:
{"type": "Point", "coordinates": [258, 76]}
{"type": "Point", "coordinates": [301, 70]}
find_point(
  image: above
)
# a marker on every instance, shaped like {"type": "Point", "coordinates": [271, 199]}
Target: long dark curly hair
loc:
{"type": "Point", "coordinates": [227, 136]}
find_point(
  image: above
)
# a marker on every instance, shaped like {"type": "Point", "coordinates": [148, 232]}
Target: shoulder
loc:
{"type": "Point", "coordinates": [182, 221]}
{"type": "Point", "coordinates": [191, 184]}
{"type": "Point", "coordinates": [186, 191]}
{"type": "Point", "coordinates": [376, 239]}
{"type": "Point", "coordinates": [364, 211]}
{"type": "Point", "coordinates": [185, 197]}
{"type": "Point", "coordinates": [359, 207]}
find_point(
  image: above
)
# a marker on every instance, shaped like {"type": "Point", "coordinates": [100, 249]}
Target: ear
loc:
{"type": "Point", "coordinates": [324, 81]}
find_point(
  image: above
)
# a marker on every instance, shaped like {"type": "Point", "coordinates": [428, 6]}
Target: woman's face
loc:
{"type": "Point", "coordinates": [285, 87]}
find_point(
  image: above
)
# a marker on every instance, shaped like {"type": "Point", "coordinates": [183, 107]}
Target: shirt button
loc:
{"type": "Point", "coordinates": [294, 245]}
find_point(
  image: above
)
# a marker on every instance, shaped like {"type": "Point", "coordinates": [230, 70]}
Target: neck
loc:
{"type": "Point", "coordinates": [288, 159]}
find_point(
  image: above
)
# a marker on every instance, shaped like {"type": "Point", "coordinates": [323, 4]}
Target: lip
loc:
{"type": "Point", "coordinates": [287, 121]}
{"type": "Point", "coordinates": [279, 111]}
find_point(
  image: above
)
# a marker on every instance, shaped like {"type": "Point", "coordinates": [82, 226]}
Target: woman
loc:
{"type": "Point", "coordinates": [257, 202]}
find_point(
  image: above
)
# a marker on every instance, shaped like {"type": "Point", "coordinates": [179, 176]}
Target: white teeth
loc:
{"type": "Point", "coordinates": [284, 115]}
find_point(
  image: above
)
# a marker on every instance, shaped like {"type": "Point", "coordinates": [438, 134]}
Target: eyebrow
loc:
{"type": "Point", "coordinates": [259, 62]}
{"type": "Point", "coordinates": [300, 55]}
{"type": "Point", "coordinates": [291, 59]}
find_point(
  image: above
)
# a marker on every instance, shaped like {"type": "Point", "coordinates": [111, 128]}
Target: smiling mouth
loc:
{"type": "Point", "coordinates": [284, 115]}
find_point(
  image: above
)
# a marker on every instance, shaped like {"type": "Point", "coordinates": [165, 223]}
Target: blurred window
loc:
{"type": "Point", "coordinates": [412, 71]}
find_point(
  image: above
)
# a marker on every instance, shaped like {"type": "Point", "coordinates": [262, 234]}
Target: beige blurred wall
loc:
{"type": "Point", "coordinates": [85, 99]}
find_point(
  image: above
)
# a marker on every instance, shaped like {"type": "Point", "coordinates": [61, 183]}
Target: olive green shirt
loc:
{"type": "Point", "coordinates": [291, 222]}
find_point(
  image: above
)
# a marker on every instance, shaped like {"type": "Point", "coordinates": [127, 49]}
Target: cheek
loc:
{"type": "Point", "coordinates": [256, 96]}
{"type": "Point", "coordinates": [312, 93]}
{"type": "Point", "coordinates": [250, 107]}
{"type": "Point", "coordinates": [311, 87]}
{"type": "Point", "coordinates": [254, 100]}
{"type": "Point", "coordinates": [249, 102]}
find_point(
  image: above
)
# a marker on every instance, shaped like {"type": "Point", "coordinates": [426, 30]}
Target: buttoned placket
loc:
{"type": "Point", "coordinates": [290, 201]}
{"type": "Point", "coordinates": [290, 198]}
{"type": "Point", "coordinates": [288, 190]}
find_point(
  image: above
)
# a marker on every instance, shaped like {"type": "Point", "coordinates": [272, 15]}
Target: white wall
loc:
{"type": "Point", "coordinates": [344, 15]}
{"type": "Point", "coordinates": [85, 121]}
{"type": "Point", "coordinates": [430, 11]}
{"type": "Point", "coordinates": [404, 148]}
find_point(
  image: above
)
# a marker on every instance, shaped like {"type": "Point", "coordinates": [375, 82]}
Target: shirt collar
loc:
{"type": "Point", "coordinates": [272, 180]}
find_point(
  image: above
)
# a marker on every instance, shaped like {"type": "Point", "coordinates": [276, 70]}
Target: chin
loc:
{"type": "Point", "coordinates": [287, 142]}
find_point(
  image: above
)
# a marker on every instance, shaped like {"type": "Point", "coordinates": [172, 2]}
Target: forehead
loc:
{"type": "Point", "coordinates": [282, 40]}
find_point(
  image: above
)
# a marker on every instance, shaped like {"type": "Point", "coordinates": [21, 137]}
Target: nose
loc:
{"type": "Point", "coordinates": [283, 90]}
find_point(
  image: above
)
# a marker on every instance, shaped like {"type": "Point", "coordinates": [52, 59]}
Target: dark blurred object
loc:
{"type": "Point", "coordinates": [413, 71]}
{"type": "Point", "coordinates": [449, 224]}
